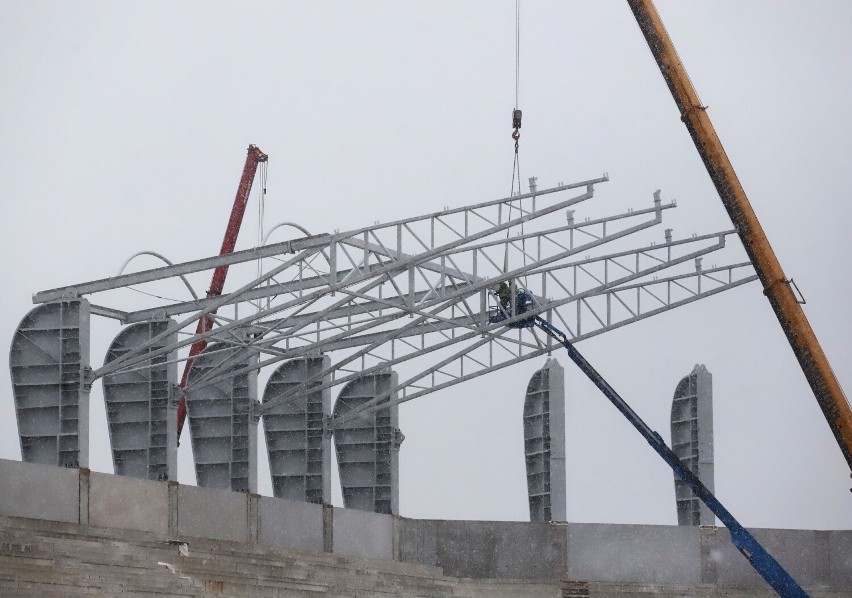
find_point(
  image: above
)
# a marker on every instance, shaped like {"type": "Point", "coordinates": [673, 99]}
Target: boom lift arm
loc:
{"type": "Point", "coordinates": [253, 158]}
{"type": "Point", "coordinates": [763, 562]}
{"type": "Point", "coordinates": [776, 286]}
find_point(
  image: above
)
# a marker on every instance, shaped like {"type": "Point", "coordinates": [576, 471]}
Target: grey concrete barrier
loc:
{"type": "Point", "coordinates": [634, 553]}
{"type": "Point", "coordinates": [840, 559]}
{"type": "Point", "coordinates": [416, 540]}
{"type": "Point", "coordinates": [362, 534]}
{"type": "Point", "coordinates": [290, 524]}
{"type": "Point", "coordinates": [128, 503]}
{"type": "Point", "coordinates": [214, 514]}
{"type": "Point", "coordinates": [814, 558]}
{"type": "Point", "coordinates": [39, 491]}
{"type": "Point", "coordinates": [592, 552]}
{"type": "Point", "coordinates": [485, 549]}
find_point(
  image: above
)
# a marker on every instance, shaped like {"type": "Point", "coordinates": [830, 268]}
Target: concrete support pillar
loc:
{"type": "Point", "coordinates": [84, 496]}
{"type": "Point", "coordinates": [172, 433]}
{"type": "Point", "coordinates": [327, 528]}
{"type": "Point", "coordinates": [254, 419]}
{"type": "Point", "coordinates": [174, 488]}
{"type": "Point", "coordinates": [253, 517]}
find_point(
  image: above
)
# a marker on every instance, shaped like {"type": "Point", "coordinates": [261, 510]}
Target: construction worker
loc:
{"type": "Point", "coordinates": [504, 294]}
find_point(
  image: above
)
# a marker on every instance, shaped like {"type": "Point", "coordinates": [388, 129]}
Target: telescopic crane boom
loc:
{"type": "Point", "coordinates": [776, 286]}
{"type": "Point", "coordinates": [253, 158]}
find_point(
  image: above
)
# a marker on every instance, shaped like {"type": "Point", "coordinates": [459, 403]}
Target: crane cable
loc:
{"type": "Point", "coordinates": [516, 135]}
{"type": "Point", "coordinates": [261, 213]}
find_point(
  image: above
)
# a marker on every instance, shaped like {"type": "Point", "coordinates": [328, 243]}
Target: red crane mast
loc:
{"type": "Point", "coordinates": [253, 158]}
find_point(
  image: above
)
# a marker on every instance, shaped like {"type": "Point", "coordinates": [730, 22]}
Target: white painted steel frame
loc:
{"type": "Point", "coordinates": [348, 291]}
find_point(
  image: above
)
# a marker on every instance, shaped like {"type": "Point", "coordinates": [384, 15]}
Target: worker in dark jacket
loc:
{"type": "Point", "coordinates": [504, 294]}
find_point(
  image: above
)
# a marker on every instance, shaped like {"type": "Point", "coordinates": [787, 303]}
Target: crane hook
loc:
{"type": "Point", "coordinates": [516, 125]}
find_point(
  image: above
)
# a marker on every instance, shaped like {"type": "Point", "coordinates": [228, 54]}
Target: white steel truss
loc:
{"type": "Point", "coordinates": [423, 289]}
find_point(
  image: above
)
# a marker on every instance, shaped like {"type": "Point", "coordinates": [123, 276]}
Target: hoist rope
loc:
{"type": "Point", "coordinates": [516, 135]}
{"type": "Point", "coordinates": [517, 49]}
{"type": "Point", "coordinates": [261, 208]}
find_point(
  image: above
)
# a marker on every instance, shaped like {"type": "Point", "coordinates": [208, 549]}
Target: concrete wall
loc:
{"type": "Point", "coordinates": [363, 534]}
{"type": "Point", "coordinates": [39, 491]}
{"type": "Point", "coordinates": [128, 503]}
{"type": "Point", "coordinates": [840, 558]}
{"type": "Point", "coordinates": [290, 524]}
{"type": "Point", "coordinates": [215, 514]}
{"type": "Point", "coordinates": [417, 540]}
{"type": "Point", "coordinates": [809, 556]}
{"type": "Point", "coordinates": [691, 555]}
{"type": "Point", "coordinates": [605, 553]}
{"type": "Point", "coordinates": [641, 553]}
{"type": "Point", "coordinates": [485, 549]}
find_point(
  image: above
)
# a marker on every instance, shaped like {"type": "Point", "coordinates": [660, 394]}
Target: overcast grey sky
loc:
{"type": "Point", "coordinates": [124, 127]}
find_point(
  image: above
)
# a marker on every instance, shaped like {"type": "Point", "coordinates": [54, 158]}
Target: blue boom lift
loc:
{"type": "Point", "coordinates": [763, 562]}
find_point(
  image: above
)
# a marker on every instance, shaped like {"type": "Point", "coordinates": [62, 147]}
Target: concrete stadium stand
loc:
{"type": "Point", "coordinates": [662, 556]}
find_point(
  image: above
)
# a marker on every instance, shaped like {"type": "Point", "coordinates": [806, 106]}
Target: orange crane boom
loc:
{"type": "Point", "coordinates": [776, 286]}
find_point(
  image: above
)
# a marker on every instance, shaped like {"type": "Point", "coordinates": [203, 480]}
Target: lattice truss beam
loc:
{"type": "Point", "coordinates": [422, 289]}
